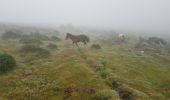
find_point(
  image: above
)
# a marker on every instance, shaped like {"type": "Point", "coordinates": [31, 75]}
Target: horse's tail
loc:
{"type": "Point", "coordinates": [87, 39]}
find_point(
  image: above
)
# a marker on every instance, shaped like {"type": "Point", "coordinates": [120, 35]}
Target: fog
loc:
{"type": "Point", "coordinates": [135, 15]}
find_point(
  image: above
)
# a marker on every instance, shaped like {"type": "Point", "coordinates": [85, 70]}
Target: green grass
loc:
{"type": "Point", "coordinates": [84, 74]}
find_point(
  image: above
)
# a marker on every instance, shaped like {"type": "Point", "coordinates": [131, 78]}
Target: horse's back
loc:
{"type": "Point", "coordinates": [84, 37]}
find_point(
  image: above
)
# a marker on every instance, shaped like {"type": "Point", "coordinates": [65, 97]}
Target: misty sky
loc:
{"type": "Point", "coordinates": [116, 14]}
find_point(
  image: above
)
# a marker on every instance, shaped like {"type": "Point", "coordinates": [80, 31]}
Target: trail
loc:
{"type": "Point", "coordinates": [82, 55]}
{"type": "Point", "coordinates": [123, 94]}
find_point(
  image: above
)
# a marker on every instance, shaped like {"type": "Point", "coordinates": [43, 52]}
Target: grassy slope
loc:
{"type": "Point", "coordinates": [66, 70]}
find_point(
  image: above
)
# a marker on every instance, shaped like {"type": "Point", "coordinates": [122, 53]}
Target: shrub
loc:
{"type": "Point", "coordinates": [165, 87]}
{"type": "Point", "coordinates": [41, 52]}
{"type": "Point", "coordinates": [33, 38]}
{"type": "Point", "coordinates": [38, 36]}
{"type": "Point", "coordinates": [7, 62]}
{"type": "Point", "coordinates": [96, 46]}
{"type": "Point", "coordinates": [55, 38]}
{"type": "Point", "coordinates": [52, 46]}
{"type": "Point", "coordinates": [168, 47]}
{"type": "Point", "coordinates": [141, 45]}
{"type": "Point", "coordinates": [29, 39]}
{"type": "Point", "coordinates": [152, 42]}
{"type": "Point", "coordinates": [126, 94]}
{"type": "Point", "coordinates": [10, 35]}
{"type": "Point", "coordinates": [113, 83]}
{"type": "Point", "coordinates": [156, 40]}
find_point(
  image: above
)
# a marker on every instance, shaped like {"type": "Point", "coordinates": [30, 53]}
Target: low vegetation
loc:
{"type": "Point", "coordinates": [55, 38]}
{"type": "Point", "coordinates": [7, 62]}
{"type": "Point", "coordinates": [50, 69]}
{"type": "Point", "coordinates": [41, 52]}
{"type": "Point", "coordinates": [96, 46]}
{"type": "Point", "coordinates": [10, 35]}
{"type": "Point", "coordinates": [52, 46]}
{"type": "Point", "coordinates": [33, 38]}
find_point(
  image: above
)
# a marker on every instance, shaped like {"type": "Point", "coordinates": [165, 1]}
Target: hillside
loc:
{"type": "Point", "coordinates": [114, 72]}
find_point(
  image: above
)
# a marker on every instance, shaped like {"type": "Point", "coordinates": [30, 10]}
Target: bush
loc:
{"type": "Point", "coordinates": [152, 42]}
{"type": "Point", "coordinates": [168, 47]}
{"type": "Point", "coordinates": [54, 38]}
{"type": "Point", "coordinates": [96, 46]}
{"type": "Point", "coordinates": [7, 62]}
{"type": "Point", "coordinates": [157, 41]}
{"type": "Point", "coordinates": [52, 46]}
{"type": "Point", "coordinates": [33, 38]}
{"type": "Point", "coordinates": [39, 36]}
{"type": "Point", "coordinates": [10, 35]}
{"type": "Point", "coordinates": [29, 39]}
{"type": "Point", "coordinates": [41, 52]}
{"type": "Point", "coordinates": [165, 87]}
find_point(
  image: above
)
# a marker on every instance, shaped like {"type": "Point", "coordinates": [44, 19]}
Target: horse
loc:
{"type": "Point", "coordinates": [121, 38]}
{"type": "Point", "coordinates": [77, 38]}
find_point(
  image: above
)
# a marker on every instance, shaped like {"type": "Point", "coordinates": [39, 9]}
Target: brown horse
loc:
{"type": "Point", "coordinates": [78, 38]}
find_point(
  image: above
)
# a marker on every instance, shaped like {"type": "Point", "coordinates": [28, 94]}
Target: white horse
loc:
{"type": "Point", "coordinates": [121, 38]}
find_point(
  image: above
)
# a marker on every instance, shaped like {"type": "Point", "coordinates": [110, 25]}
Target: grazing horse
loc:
{"type": "Point", "coordinates": [77, 38]}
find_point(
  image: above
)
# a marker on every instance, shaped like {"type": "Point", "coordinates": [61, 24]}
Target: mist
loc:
{"type": "Point", "coordinates": [132, 15]}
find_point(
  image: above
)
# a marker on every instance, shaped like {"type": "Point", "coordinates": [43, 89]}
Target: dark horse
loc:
{"type": "Point", "coordinates": [78, 38]}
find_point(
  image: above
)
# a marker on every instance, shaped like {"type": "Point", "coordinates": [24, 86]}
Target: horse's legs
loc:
{"type": "Point", "coordinates": [84, 42]}
{"type": "Point", "coordinates": [77, 45]}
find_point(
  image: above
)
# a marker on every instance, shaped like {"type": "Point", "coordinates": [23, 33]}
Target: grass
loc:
{"type": "Point", "coordinates": [84, 74]}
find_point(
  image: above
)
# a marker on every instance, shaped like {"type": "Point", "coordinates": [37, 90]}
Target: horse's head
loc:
{"type": "Point", "coordinates": [67, 36]}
